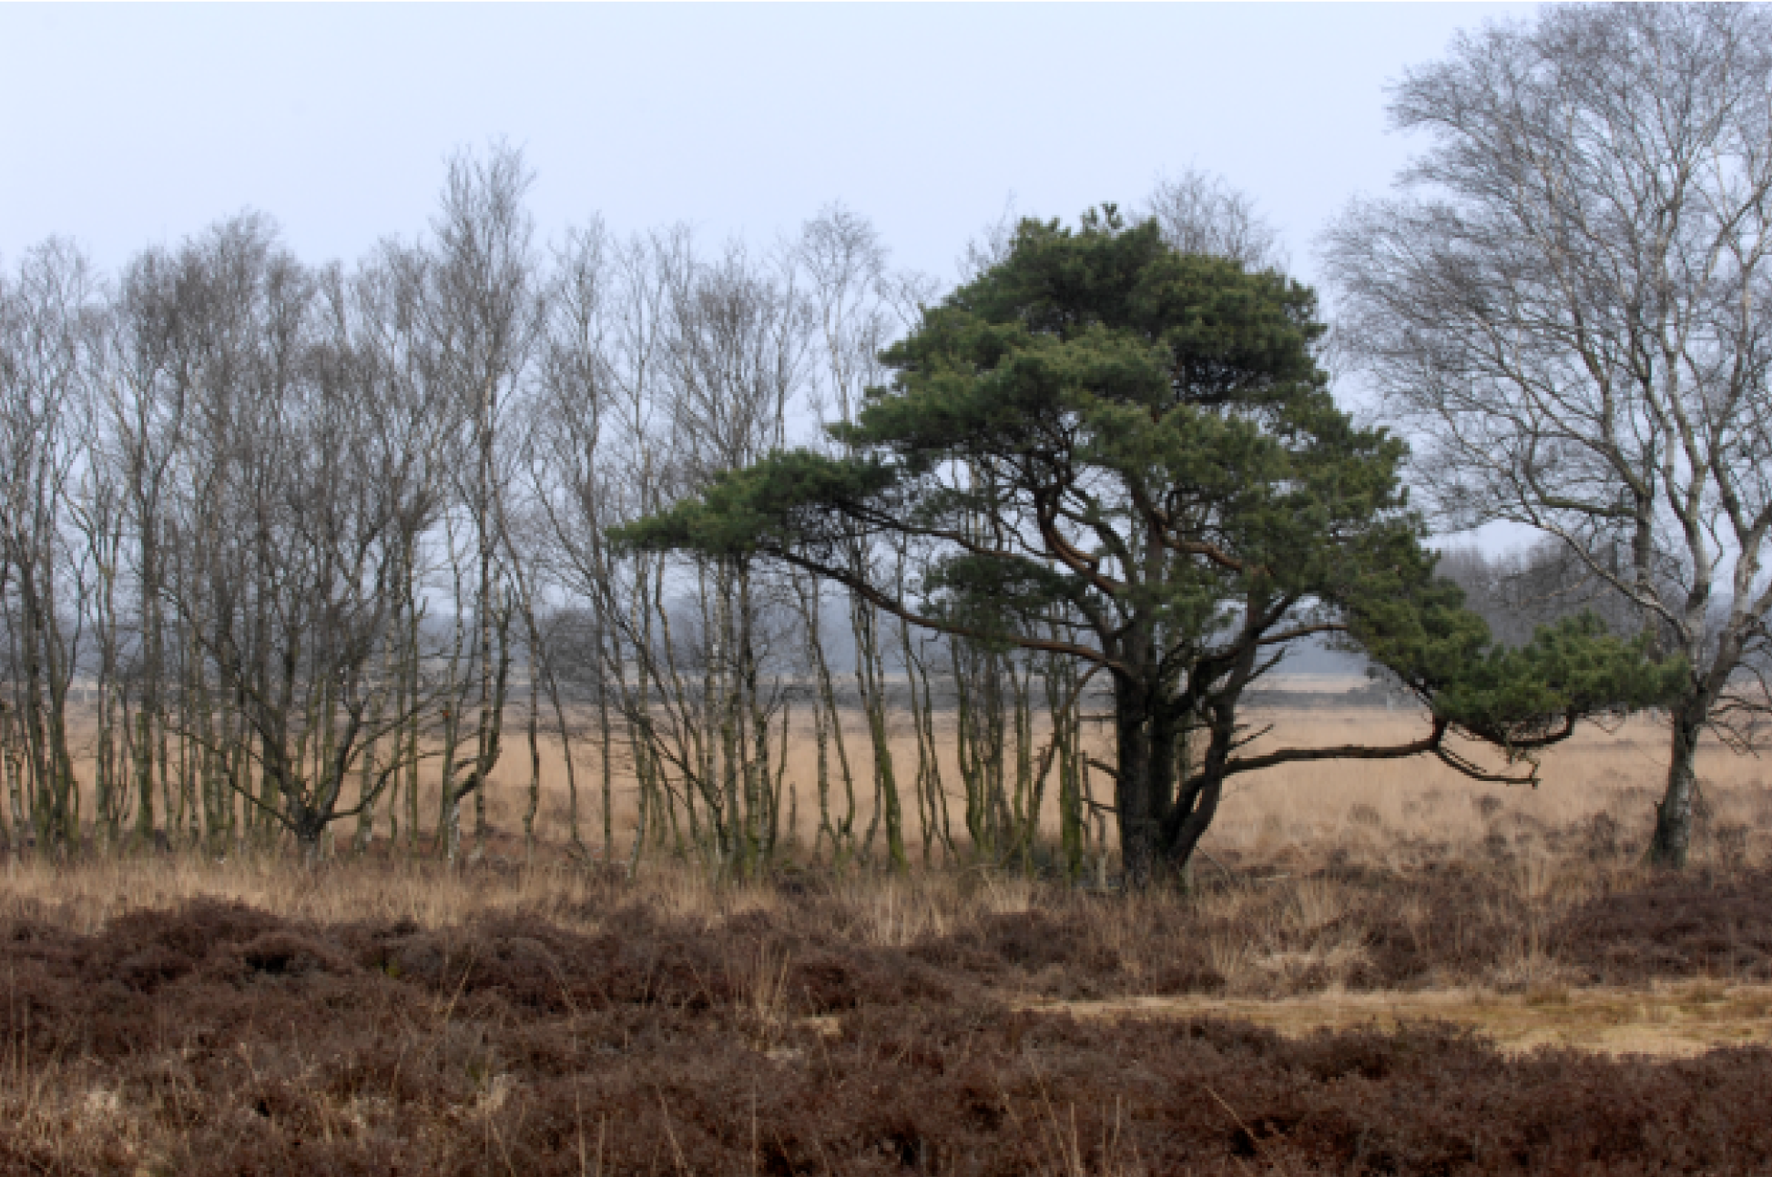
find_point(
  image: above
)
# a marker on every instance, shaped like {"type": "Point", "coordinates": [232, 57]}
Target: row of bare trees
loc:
{"type": "Point", "coordinates": [303, 553]}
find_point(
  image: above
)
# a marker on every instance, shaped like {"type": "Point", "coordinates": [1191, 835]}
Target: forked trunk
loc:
{"type": "Point", "coordinates": [1164, 810]}
{"type": "Point", "coordinates": [1198, 803]}
{"type": "Point", "coordinates": [308, 832]}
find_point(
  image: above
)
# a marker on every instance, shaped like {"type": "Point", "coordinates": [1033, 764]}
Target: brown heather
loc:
{"type": "Point", "coordinates": [1438, 986]}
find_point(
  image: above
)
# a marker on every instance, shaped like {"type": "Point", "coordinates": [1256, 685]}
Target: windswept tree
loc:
{"type": "Point", "coordinates": [1106, 449]}
{"type": "Point", "coordinates": [1568, 303]}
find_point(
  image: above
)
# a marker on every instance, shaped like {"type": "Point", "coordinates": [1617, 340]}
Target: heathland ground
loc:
{"type": "Point", "coordinates": [1381, 968]}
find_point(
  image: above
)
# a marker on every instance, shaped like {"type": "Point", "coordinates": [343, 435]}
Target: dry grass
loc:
{"type": "Point", "coordinates": [1500, 922]}
{"type": "Point", "coordinates": [1410, 810]}
{"type": "Point", "coordinates": [1404, 813]}
{"type": "Point", "coordinates": [370, 1017]}
{"type": "Point", "coordinates": [1665, 1019]}
{"type": "Point", "coordinates": [1294, 858]}
{"type": "Point", "coordinates": [1401, 813]}
{"type": "Point", "coordinates": [172, 1013]}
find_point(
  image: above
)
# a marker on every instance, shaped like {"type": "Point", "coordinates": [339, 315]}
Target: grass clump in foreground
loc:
{"type": "Point", "coordinates": [176, 1016]}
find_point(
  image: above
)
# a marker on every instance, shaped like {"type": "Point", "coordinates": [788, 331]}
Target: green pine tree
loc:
{"type": "Point", "coordinates": [1107, 449]}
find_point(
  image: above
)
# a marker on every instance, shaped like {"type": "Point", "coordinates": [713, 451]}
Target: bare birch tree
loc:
{"type": "Point", "coordinates": [483, 302]}
{"type": "Point", "coordinates": [1199, 212]}
{"type": "Point", "coordinates": [1567, 303]}
{"type": "Point", "coordinates": [47, 348]}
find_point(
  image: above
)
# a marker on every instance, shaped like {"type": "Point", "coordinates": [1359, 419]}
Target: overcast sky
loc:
{"type": "Point", "coordinates": [130, 125]}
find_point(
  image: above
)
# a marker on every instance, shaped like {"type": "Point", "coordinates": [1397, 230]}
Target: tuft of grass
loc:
{"type": "Point", "coordinates": [1542, 993]}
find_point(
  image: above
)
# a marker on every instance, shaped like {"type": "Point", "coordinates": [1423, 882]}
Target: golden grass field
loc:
{"type": "Point", "coordinates": [1399, 809]}
{"type": "Point", "coordinates": [1390, 810]}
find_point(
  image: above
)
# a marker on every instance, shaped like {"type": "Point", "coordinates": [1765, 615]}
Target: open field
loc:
{"type": "Point", "coordinates": [1384, 969]}
{"type": "Point", "coordinates": [1601, 785]}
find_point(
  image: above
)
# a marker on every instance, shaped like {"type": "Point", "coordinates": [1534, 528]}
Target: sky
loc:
{"type": "Point", "coordinates": [125, 126]}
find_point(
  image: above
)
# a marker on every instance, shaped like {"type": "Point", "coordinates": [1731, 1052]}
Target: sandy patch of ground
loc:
{"type": "Point", "coordinates": [1669, 1020]}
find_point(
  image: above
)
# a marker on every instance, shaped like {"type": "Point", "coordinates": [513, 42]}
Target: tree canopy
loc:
{"type": "Point", "coordinates": [1108, 449]}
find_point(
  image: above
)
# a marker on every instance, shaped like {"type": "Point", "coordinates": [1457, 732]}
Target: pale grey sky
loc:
{"type": "Point", "coordinates": [129, 125]}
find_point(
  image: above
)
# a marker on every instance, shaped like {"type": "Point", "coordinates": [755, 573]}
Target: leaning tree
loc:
{"type": "Point", "coordinates": [1567, 301]}
{"type": "Point", "coordinates": [1107, 449]}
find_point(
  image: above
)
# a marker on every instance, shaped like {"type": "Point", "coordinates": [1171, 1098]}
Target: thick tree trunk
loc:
{"type": "Point", "coordinates": [1163, 811]}
{"type": "Point", "coordinates": [1140, 793]}
{"type": "Point", "coordinates": [1673, 817]}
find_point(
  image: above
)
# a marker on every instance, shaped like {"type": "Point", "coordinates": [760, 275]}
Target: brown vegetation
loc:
{"type": "Point", "coordinates": [385, 1017]}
